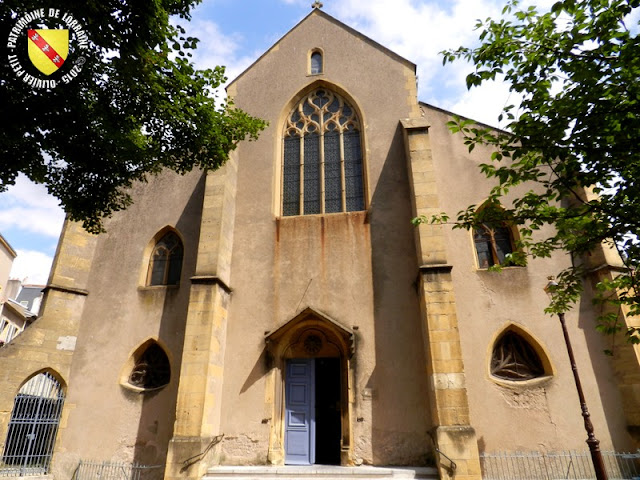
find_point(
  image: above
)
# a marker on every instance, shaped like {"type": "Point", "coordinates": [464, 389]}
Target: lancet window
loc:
{"type": "Point", "coordinates": [322, 167]}
{"type": "Point", "coordinates": [165, 264]}
{"type": "Point", "coordinates": [492, 245]}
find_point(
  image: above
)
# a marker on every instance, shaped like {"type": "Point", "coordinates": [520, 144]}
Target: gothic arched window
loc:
{"type": "Point", "coordinates": [492, 245]}
{"type": "Point", "coordinates": [152, 369]}
{"type": "Point", "coordinates": [495, 236]}
{"type": "Point", "coordinates": [165, 264]}
{"type": "Point", "coordinates": [322, 167]}
{"type": "Point", "coordinates": [515, 359]}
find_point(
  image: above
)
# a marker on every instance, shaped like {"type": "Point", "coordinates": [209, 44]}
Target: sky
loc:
{"type": "Point", "coordinates": [235, 33]}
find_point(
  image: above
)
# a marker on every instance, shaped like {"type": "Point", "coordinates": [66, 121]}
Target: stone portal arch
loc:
{"type": "Point", "coordinates": [308, 338]}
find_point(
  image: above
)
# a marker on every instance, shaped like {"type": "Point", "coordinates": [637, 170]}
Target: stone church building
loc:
{"type": "Point", "coordinates": [283, 310]}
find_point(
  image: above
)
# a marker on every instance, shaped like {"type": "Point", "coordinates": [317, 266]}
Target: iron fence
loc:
{"type": "Point", "coordinates": [557, 465]}
{"type": "Point", "coordinates": [32, 427]}
{"type": "Point", "coordinates": [117, 471]}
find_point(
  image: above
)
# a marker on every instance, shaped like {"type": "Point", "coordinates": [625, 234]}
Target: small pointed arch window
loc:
{"type": "Point", "coordinates": [514, 358]}
{"type": "Point", "coordinates": [322, 169]}
{"type": "Point", "coordinates": [165, 263]}
{"type": "Point", "coordinates": [33, 426]}
{"type": "Point", "coordinates": [316, 62]}
{"type": "Point", "coordinates": [494, 239]}
{"type": "Point", "coordinates": [151, 369]}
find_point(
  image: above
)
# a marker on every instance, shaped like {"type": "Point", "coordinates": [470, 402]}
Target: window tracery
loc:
{"type": "Point", "coordinates": [165, 264]}
{"type": "Point", "coordinates": [515, 359]}
{"type": "Point", "coordinates": [494, 238]}
{"type": "Point", "coordinates": [493, 244]}
{"type": "Point", "coordinates": [322, 167]}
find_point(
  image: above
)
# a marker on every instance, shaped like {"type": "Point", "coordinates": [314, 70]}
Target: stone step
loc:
{"type": "Point", "coordinates": [315, 472]}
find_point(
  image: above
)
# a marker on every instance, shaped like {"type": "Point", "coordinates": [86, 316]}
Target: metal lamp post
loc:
{"type": "Point", "coordinates": [594, 444]}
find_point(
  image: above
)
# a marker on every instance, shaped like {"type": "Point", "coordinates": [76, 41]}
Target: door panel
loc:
{"type": "Point", "coordinates": [300, 412]}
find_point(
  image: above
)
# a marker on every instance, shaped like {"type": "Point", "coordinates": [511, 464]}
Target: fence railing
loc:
{"type": "Point", "coordinates": [557, 465]}
{"type": "Point", "coordinates": [117, 471]}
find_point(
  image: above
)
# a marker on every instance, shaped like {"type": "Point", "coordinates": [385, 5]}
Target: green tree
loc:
{"type": "Point", "coordinates": [577, 70]}
{"type": "Point", "coordinates": [137, 106]}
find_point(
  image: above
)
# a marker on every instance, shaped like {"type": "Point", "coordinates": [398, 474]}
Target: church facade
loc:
{"type": "Point", "coordinates": [283, 310]}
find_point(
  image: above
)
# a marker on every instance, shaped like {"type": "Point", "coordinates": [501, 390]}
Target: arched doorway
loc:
{"type": "Point", "coordinates": [33, 425]}
{"type": "Point", "coordinates": [312, 410]}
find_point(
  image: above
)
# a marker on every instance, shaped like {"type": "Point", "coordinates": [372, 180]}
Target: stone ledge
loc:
{"type": "Point", "coordinates": [415, 124]}
{"type": "Point", "coordinates": [60, 288]}
{"type": "Point", "coordinates": [210, 279]}
{"type": "Point", "coordinates": [436, 268]}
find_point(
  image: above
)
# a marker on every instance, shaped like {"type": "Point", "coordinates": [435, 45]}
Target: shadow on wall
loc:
{"type": "Point", "coordinates": [158, 411]}
{"type": "Point", "coordinates": [398, 387]}
{"type": "Point", "coordinates": [605, 371]}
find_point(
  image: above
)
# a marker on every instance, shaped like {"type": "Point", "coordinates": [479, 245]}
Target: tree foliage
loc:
{"type": "Point", "coordinates": [577, 130]}
{"type": "Point", "coordinates": [137, 106]}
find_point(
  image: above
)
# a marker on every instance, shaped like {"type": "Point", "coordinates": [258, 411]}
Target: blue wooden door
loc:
{"type": "Point", "coordinates": [299, 434]}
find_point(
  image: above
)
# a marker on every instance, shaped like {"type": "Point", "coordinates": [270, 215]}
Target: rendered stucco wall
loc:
{"type": "Point", "coordinates": [106, 421]}
{"type": "Point", "coordinates": [545, 414]}
{"type": "Point", "coordinates": [358, 268]}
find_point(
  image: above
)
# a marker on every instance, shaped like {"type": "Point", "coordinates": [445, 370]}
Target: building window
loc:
{"type": "Point", "coordinates": [165, 264]}
{"type": "Point", "coordinates": [316, 63]}
{"type": "Point", "coordinates": [152, 369]}
{"type": "Point", "coordinates": [514, 359]}
{"type": "Point", "coordinates": [493, 244]}
{"type": "Point", "coordinates": [322, 167]}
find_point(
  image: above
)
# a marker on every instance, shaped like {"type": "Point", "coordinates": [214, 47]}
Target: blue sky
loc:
{"type": "Point", "coordinates": [236, 32]}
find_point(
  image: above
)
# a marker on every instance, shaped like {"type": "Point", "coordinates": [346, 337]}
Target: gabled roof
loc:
{"type": "Point", "coordinates": [310, 315]}
{"type": "Point", "coordinates": [20, 310]}
{"type": "Point", "coordinates": [318, 12]}
{"type": "Point", "coordinates": [453, 114]}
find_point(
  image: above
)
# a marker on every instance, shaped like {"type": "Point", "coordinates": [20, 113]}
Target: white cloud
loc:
{"type": "Point", "coordinates": [29, 207]}
{"type": "Point", "coordinates": [419, 31]}
{"type": "Point", "coordinates": [31, 267]}
{"type": "Point", "coordinates": [219, 49]}
{"type": "Point", "coordinates": [484, 104]}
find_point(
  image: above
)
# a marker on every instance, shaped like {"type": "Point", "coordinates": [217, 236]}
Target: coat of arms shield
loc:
{"type": "Point", "coordinates": [48, 49]}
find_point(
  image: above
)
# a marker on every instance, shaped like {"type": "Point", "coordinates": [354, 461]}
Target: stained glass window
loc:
{"type": "Point", "coordinates": [322, 167]}
{"type": "Point", "coordinates": [165, 264]}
